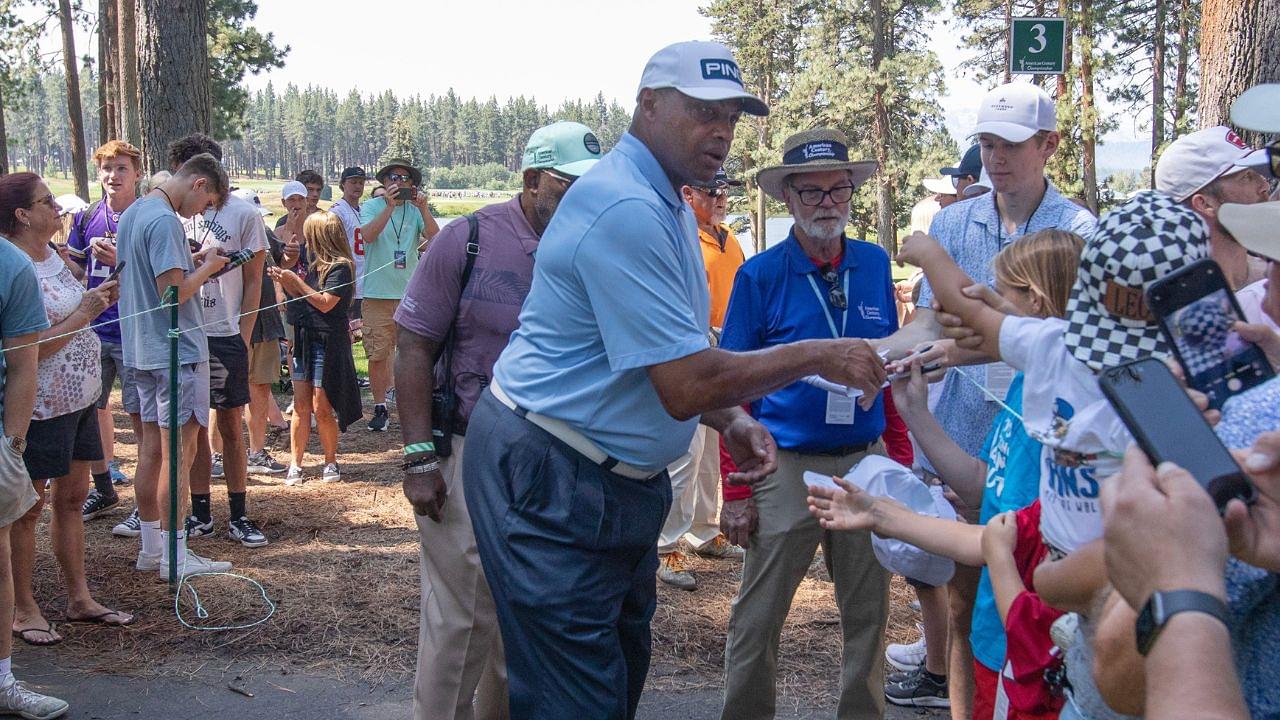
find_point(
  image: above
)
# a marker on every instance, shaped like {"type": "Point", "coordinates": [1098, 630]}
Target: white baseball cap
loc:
{"type": "Point", "coordinates": [939, 185]}
{"type": "Point", "coordinates": [292, 188]}
{"type": "Point", "coordinates": [1258, 108]}
{"type": "Point", "coordinates": [1197, 159]}
{"type": "Point", "coordinates": [1015, 111]}
{"type": "Point", "coordinates": [977, 187]}
{"type": "Point", "coordinates": [250, 196]}
{"type": "Point", "coordinates": [701, 70]}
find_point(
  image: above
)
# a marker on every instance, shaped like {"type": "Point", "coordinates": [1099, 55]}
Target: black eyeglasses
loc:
{"type": "Point", "coordinates": [813, 197]}
{"type": "Point", "coordinates": [835, 293]}
{"type": "Point", "coordinates": [713, 192]}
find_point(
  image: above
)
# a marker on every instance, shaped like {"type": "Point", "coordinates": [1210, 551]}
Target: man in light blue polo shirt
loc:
{"type": "Point", "coordinates": [1017, 134]}
{"type": "Point", "coordinates": [600, 389]}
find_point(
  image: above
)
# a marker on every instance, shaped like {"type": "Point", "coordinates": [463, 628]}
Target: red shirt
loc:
{"type": "Point", "coordinates": [1029, 650]}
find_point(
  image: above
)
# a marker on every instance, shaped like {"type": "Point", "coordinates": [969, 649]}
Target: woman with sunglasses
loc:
{"type": "Point", "coordinates": [63, 437]}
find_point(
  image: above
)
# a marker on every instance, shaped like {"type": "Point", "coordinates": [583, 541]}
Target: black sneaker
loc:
{"type": "Point", "coordinates": [196, 528]}
{"type": "Point", "coordinates": [379, 421]}
{"type": "Point", "coordinates": [247, 532]}
{"type": "Point", "coordinates": [920, 689]}
{"type": "Point", "coordinates": [98, 504]}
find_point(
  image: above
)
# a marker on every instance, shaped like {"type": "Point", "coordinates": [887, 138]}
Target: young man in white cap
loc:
{"type": "Point", "coordinates": [600, 389]}
{"type": "Point", "coordinates": [1210, 167]}
{"type": "Point", "coordinates": [825, 285]}
{"type": "Point", "coordinates": [464, 299]}
{"type": "Point", "coordinates": [1016, 134]}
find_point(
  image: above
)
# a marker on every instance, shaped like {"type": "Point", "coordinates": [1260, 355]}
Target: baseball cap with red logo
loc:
{"type": "Point", "coordinates": [1197, 159]}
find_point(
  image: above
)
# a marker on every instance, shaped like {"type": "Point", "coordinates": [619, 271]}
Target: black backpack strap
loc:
{"type": "Point", "coordinates": [83, 226]}
{"type": "Point", "coordinates": [473, 249]}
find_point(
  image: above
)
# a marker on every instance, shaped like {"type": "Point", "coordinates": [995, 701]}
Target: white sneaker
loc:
{"type": "Point", "coordinates": [148, 562]}
{"type": "Point", "coordinates": [331, 474]}
{"type": "Point", "coordinates": [17, 699]}
{"type": "Point", "coordinates": [906, 657]}
{"type": "Point", "coordinates": [294, 476]}
{"type": "Point", "coordinates": [192, 564]}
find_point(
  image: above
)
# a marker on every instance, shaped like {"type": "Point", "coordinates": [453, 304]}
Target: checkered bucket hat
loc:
{"type": "Point", "coordinates": [1136, 244]}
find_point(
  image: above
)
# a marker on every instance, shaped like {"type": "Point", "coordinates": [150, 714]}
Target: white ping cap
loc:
{"type": "Point", "coordinates": [702, 70]}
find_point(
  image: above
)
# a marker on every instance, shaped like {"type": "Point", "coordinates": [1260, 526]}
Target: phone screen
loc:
{"type": "Point", "coordinates": [1169, 427]}
{"type": "Point", "coordinates": [1196, 311]}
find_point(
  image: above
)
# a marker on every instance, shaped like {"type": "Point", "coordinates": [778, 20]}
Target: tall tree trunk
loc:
{"type": "Point", "coordinates": [1157, 84]}
{"type": "Point", "coordinates": [1239, 48]}
{"type": "Point", "coordinates": [107, 57]}
{"type": "Point", "coordinates": [127, 70]}
{"type": "Point", "coordinates": [173, 74]}
{"type": "Point", "coordinates": [79, 156]}
{"type": "Point", "coordinates": [1008, 31]}
{"type": "Point", "coordinates": [882, 135]}
{"type": "Point", "coordinates": [1088, 112]}
{"type": "Point", "coordinates": [1180, 99]}
{"type": "Point", "coordinates": [4, 136]}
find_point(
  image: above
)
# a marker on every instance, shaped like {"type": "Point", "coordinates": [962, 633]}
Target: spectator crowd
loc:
{"type": "Point", "coordinates": [592, 381]}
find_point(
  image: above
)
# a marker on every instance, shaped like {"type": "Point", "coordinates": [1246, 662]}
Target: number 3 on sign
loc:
{"type": "Point", "coordinates": [1038, 30]}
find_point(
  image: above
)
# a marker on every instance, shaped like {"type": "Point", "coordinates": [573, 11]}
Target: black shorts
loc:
{"type": "Point", "coordinates": [228, 372]}
{"type": "Point", "coordinates": [52, 444]}
{"type": "Point", "coordinates": [353, 310]}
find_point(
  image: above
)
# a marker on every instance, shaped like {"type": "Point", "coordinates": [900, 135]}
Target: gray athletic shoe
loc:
{"type": "Point", "coordinates": [18, 699]}
{"type": "Point", "coordinates": [672, 571]}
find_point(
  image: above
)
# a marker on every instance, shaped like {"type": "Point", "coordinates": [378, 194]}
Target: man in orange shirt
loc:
{"type": "Point", "coordinates": [695, 478]}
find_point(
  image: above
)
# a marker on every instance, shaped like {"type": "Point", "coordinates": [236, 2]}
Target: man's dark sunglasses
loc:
{"type": "Point", "coordinates": [397, 177]}
{"type": "Point", "coordinates": [835, 293]}
{"type": "Point", "coordinates": [813, 196]}
{"type": "Point", "coordinates": [714, 192]}
{"type": "Point", "coordinates": [567, 180]}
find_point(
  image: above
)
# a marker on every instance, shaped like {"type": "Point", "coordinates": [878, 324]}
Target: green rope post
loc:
{"type": "Point", "coordinates": [171, 297]}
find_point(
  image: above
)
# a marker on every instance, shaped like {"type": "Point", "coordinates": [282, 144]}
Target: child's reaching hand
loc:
{"type": "Point", "coordinates": [1000, 537]}
{"type": "Point", "coordinates": [916, 248]}
{"type": "Point", "coordinates": [846, 508]}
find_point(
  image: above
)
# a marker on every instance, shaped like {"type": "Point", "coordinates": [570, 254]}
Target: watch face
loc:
{"type": "Point", "coordinates": [1145, 628]}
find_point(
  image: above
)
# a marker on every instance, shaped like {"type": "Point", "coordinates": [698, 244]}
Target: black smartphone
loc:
{"type": "Point", "coordinates": [1169, 427]}
{"type": "Point", "coordinates": [116, 273]}
{"type": "Point", "coordinates": [1196, 309]}
{"type": "Point", "coordinates": [404, 193]}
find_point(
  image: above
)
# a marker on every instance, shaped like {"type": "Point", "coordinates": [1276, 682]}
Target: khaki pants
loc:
{"type": "Point", "coordinates": [460, 654]}
{"type": "Point", "coordinates": [695, 494]}
{"type": "Point", "coordinates": [781, 550]}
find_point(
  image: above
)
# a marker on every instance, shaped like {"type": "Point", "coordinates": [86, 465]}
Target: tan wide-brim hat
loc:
{"type": "Point", "coordinates": [818, 150]}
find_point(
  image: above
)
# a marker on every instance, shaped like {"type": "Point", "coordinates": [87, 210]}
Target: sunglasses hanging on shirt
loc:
{"type": "Point", "coordinates": [835, 293]}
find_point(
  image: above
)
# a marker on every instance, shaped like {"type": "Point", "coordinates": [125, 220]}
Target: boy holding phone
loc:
{"type": "Point", "coordinates": [92, 246]}
{"type": "Point", "coordinates": [395, 230]}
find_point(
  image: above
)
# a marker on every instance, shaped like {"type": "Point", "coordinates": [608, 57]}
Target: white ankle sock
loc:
{"type": "Point", "coordinates": [6, 672]}
{"type": "Point", "coordinates": [182, 543]}
{"type": "Point", "coordinates": [150, 537]}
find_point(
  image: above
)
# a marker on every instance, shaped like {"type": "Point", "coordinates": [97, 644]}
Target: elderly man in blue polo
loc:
{"type": "Point", "coordinates": [816, 284]}
{"type": "Point", "coordinates": [601, 388]}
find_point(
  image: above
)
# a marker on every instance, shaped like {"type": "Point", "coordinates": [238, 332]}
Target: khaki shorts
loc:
{"type": "Point", "coordinates": [17, 496]}
{"type": "Point", "coordinates": [264, 362]}
{"type": "Point", "coordinates": [379, 327]}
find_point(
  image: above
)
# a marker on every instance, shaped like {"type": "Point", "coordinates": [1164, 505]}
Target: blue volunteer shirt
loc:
{"type": "Point", "coordinates": [774, 303]}
{"type": "Point", "coordinates": [619, 286]}
{"type": "Point", "coordinates": [970, 231]}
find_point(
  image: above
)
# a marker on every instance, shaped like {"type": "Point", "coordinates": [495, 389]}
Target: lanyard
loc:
{"type": "Point", "coordinates": [822, 302]}
{"type": "Point", "coordinates": [1000, 218]}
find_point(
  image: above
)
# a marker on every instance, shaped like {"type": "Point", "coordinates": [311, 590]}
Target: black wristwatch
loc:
{"type": "Point", "coordinates": [1163, 605]}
